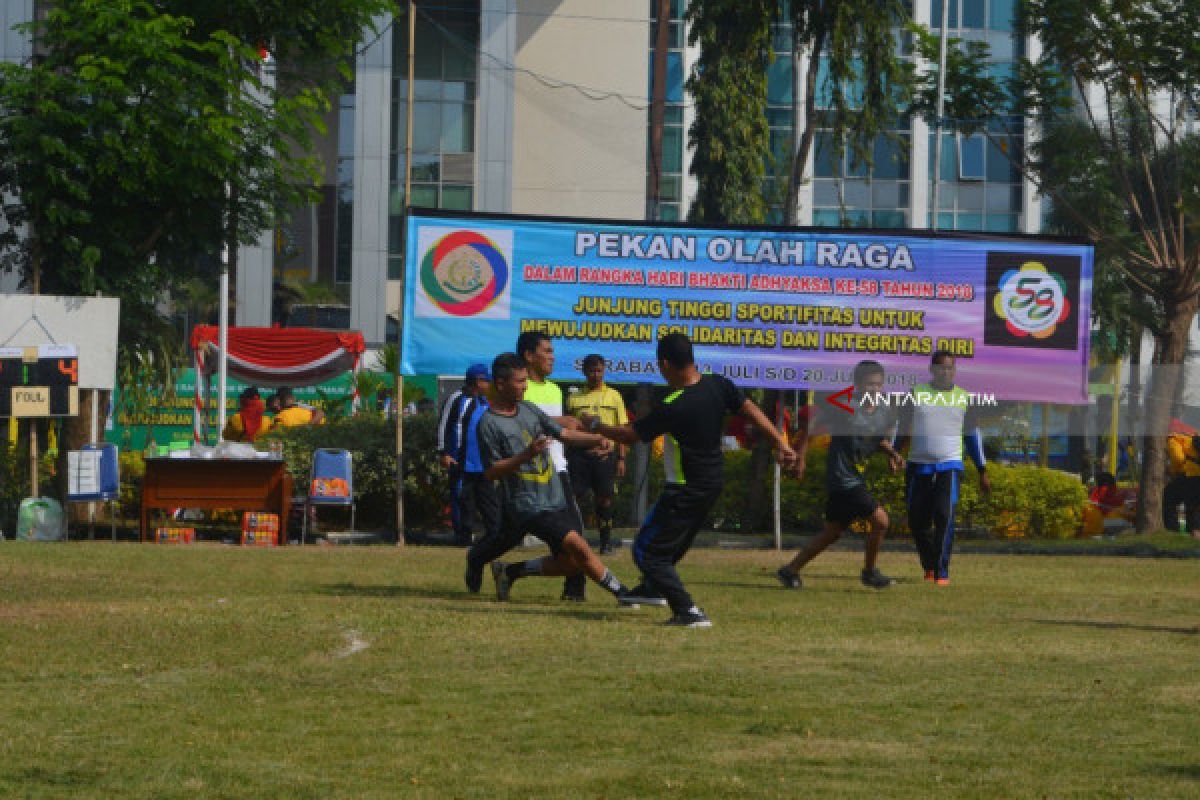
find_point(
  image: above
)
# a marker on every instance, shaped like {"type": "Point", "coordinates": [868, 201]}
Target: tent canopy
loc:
{"type": "Point", "coordinates": [275, 357]}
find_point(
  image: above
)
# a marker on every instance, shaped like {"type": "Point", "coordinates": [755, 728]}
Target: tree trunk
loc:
{"type": "Point", "coordinates": [1169, 353]}
{"type": "Point", "coordinates": [803, 140]}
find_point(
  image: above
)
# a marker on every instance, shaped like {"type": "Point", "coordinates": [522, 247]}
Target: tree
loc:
{"type": "Point", "coordinates": [868, 84]}
{"type": "Point", "coordinates": [730, 135]}
{"type": "Point", "coordinates": [1113, 94]}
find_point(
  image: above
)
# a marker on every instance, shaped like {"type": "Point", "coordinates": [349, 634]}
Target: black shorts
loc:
{"type": "Point", "coordinates": [590, 473]}
{"type": "Point", "coordinates": [551, 527]}
{"type": "Point", "coordinates": [846, 505]}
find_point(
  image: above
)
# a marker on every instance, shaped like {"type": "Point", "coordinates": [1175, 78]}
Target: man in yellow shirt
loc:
{"type": "Point", "coordinates": [598, 469]}
{"type": "Point", "coordinates": [1184, 487]}
{"type": "Point", "coordinates": [291, 414]}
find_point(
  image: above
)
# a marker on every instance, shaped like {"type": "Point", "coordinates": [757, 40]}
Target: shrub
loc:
{"type": "Point", "coordinates": [372, 441]}
{"type": "Point", "coordinates": [1026, 500]}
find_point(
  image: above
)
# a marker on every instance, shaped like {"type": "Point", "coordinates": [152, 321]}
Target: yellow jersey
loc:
{"type": "Point", "coordinates": [605, 403]}
{"type": "Point", "coordinates": [293, 417]}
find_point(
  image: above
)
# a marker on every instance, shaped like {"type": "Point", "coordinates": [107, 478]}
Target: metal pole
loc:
{"type": "Point", "coordinates": [941, 105]}
{"type": "Point", "coordinates": [776, 511]}
{"type": "Point", "coordinates": [1114, 422]}
{"type": "Point", "coordinates": [398, 400]}
{"type": "Point", "coordinates": [223, 341]}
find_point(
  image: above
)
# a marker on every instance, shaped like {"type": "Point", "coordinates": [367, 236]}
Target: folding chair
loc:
{"type": "Point", "coordinates": [108, 486]}
{"type": "Point", "coordinates": [330, 483]}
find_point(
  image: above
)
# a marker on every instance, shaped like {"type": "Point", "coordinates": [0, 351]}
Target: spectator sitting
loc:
{"type": "Point", "coordinates": [1107, 497]}
{"type": "Point", "coordinates": [249, 421]}
{"type": "Point", "coordinates": [291, 414]}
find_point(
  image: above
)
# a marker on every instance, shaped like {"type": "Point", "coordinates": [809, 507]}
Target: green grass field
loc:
{"type": "Point", "coordinates": [216, 672]}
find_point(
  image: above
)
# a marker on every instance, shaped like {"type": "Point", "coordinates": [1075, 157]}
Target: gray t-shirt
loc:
{"type": "Point", "coordinates": [855, 438]}
{"type": "Point", "coordinates": [534, 487]}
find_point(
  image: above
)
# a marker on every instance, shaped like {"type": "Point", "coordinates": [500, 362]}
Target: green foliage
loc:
{"type": "Point", "coordinates": [372, 442]}
{"type": "Point", "coordinates": [144, 135]}
{"type": "Point", "coordinates": [730, 133]}
{"type": "Point", "coordinates": [1026, 500]}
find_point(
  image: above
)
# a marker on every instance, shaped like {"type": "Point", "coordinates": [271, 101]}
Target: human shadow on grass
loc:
{"type": "Point", "coordinates": [1188, 771]}
{"type": "Point", "coordinates": [479, 603]}
{"type": "Point", "coordinates": [1106, 625]}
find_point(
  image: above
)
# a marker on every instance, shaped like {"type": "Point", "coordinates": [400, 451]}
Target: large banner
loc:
{"type": "Point", "coordinates": [795, 308]}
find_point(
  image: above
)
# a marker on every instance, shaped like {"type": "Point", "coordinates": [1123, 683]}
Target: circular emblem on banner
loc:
{"type": "Point", "coordinates": [1032, 301]}
{"type": "Point", "coordinates": [463, 273]}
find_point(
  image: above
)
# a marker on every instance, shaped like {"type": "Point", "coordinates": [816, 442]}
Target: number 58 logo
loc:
{"type": "Point", "coordinates": [1032, 301]}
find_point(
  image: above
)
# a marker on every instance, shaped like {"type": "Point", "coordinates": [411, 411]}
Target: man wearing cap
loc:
{"type": "Point", "coordinates": [451, 426]}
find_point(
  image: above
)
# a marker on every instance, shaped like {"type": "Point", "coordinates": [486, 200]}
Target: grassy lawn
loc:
{"type": "Point", "coordinates": [216, 672]}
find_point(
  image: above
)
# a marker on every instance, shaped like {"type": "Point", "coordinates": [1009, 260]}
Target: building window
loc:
{"type": "Point", "coordinates": [444, 94]}
{"type": "Point", "coordinates": [344, 224]}
{"type": "Point", "coordinates": [670, 186]}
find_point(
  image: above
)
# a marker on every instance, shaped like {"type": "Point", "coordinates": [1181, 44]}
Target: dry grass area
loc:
{"type": "Point", "coordinates": [140, 671]}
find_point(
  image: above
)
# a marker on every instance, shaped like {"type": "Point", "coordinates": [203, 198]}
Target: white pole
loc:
{"type": "Point", "coordinates": [223, 341]}
{"type": "Point", "coordinates": [941, 106]}
{"type": "Point", "coordinates": [776, 510]}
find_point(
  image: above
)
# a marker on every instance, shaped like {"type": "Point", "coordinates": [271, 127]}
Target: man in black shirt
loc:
{"type": "Point", "coordinates": [865, 430]}
{"type": "Point", "coordinates": [691, 420]}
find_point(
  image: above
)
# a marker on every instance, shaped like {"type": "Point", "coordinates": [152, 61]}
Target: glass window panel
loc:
{"type": "Point", "coordinates": [396, 199]}
{"type": "Point", "coordinates": [674, 77]}
{"type": "Point", "coordinates": [345, 122]}
{"type": "Point", "coordinates": [779, 117]}
{"type": "Point", "coordinates": [428, 60]}
{"type": "Point", "coordinates": [904, 196]}
{"type": "Point", "coordinates": [395, 267]}
{"type": "Point", "coordinates": [970, 157]}
{"type": "Point", "coordinates": [949, 167]}
{"type": "Point", "coordinates": [345, 171]}
{"type": "Point", "coordinates": [855, 169]}
{"type": "Point", "coordinates": [456, 198]}
{"type": "Point", "coordinates": [668, 213]}
{"type": "Point", "coordinates": [857, 219]}
{"type": "Point", "coordinates": [672, 150]}
{"type": "Point", "coordinates": [458, 92]}
{"type": "Point", "coordinates": [999, 197]}
{"type": "Point", "coordinates": [458, 128]}
{"type": "Point", "coordinates": [970, 197]}
{"type": "Point", "coordinates": [427, 124]}
{"type": "Point", "coordinates": [857, 194]}
{"type": "Point", "coordinates": [946, 194]}
{"type": "Point", "coordinates": [824, 90]}
{"type": "Point", "coordinates": [945, 221]}
{"type": "Point", "coordinates": [1002, 223]}
{"type": "Point", "coordinates": [779, 81]}
{"type": "Point", "coordinates": [396, 233]}
{"type": "Point", "coordinates": [935, 9]}
{"type": "Point", "coordinates": [425, 196]}
{"type": "Point", "coordinates": [675, 36]}
{"type": "Point", "coordinates": [670, 189]}
{"type": "Point", "coordinates": [999, 166]}
{"type": "Point", "coordinates": [823, 162]}
{"type": "Point", "coordinates": [673, 115]}
{"type": "Point", "coordinates": [1001, 13]}
{"type": "Point", "coordinates": [426, 168]}
{"type": "Point", "coordinates": [974, 13]}
{"type": "Point", "coordinates": [891, 158]}
{"type": "Point", "coordinates": [825, 193]}
{"type": "Point", "coordinates": [970, 222]}
{"type": "Point", "coordinates": [885, 194]}
{"type": "Point", "coordinates": [953, 6]}
{"type": "Point", "coordinates": [428, 90]}
{"type": "Point", "coordinates": [1001, 45]}
{"type": "Point", "coordinates": [459, 62]}
{"type": "Point", "coordinates": [889, 219]}
{"type": "Point", "coordinates": [781, 146]}
{"type": "Point", "coordinates": [827, 218]}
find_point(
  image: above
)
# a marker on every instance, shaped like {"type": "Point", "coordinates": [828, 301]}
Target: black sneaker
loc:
{"type": "Point", "coordinates": [625, 599]}
{"type": "Point", "coordinates": [689, 619]}
{"type": "Point", "coordinates": [503, 582]}
{"type": "Point", "coordinates": [876, 579]}
{"type": "Point", "coordinates": [473, 577]}
{"type": "Point", "coordinates": [573, 597]}
{"type": "Point", "coordinates": [789, 579]}
{"type": "Point", "coordinates": [575, 589]}
{"type": "Point", "coordinates": [643, 596]}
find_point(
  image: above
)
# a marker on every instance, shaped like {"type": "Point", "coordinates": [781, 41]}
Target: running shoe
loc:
{"type": "Point", "coordinates": [789, 579]}
{"type": "Point", "coordinates": [689, 619]}
{"type": "Point", "coordinates": [641, 595]}
{"type": "Point", "coordinates": [876, 579]}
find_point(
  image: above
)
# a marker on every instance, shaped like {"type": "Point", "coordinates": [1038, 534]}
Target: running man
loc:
{"type": "Point", "coordinates": [868, 429]}
{"type": "Point", "coordinates": [514, 440]}
{"type": "Point", "coordinates": [597, 470]}
{"type": "Point", "coordinates": [692, 418]}
{"type": "Point", "coordinates": [935, 422]}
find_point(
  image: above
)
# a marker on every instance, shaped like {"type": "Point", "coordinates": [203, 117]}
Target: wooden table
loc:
{"type": "Point", "coordinates": [259, 484]}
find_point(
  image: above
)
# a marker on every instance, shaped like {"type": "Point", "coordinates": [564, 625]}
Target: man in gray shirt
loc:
{"type": "Point", "coordinates": [862, 432]}
{"type": "Point", "coordinates": [514, 439]}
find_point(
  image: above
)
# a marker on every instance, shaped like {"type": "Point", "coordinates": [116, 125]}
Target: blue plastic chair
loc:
{"type": "Point", "coordinates": [110, 483]}
{"type": "Point", "coordinates": [330, 483]}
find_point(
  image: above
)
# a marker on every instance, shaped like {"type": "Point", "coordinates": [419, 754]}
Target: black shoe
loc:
{"type": "Point", "coordinates": [573, 597]}
{"type": "Point", "coordinates": [789, 579]}
{"type": "Point", "coordinates": [605, 548]}
{"type": "Point", "coordinates": [625, 599]}
{"type": "Point", "coordinates": [575, 588]}
{"type": "Point", "coordinates": [690, 619]}
{"type": "Point", "coordinates": [473, 577]}
{"type": "Point", "coordinates": [876, 579]}
{"type": "Point", "coordinates": [642, 596]}
{"type": "Point", "coordinates": [503, 583]}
